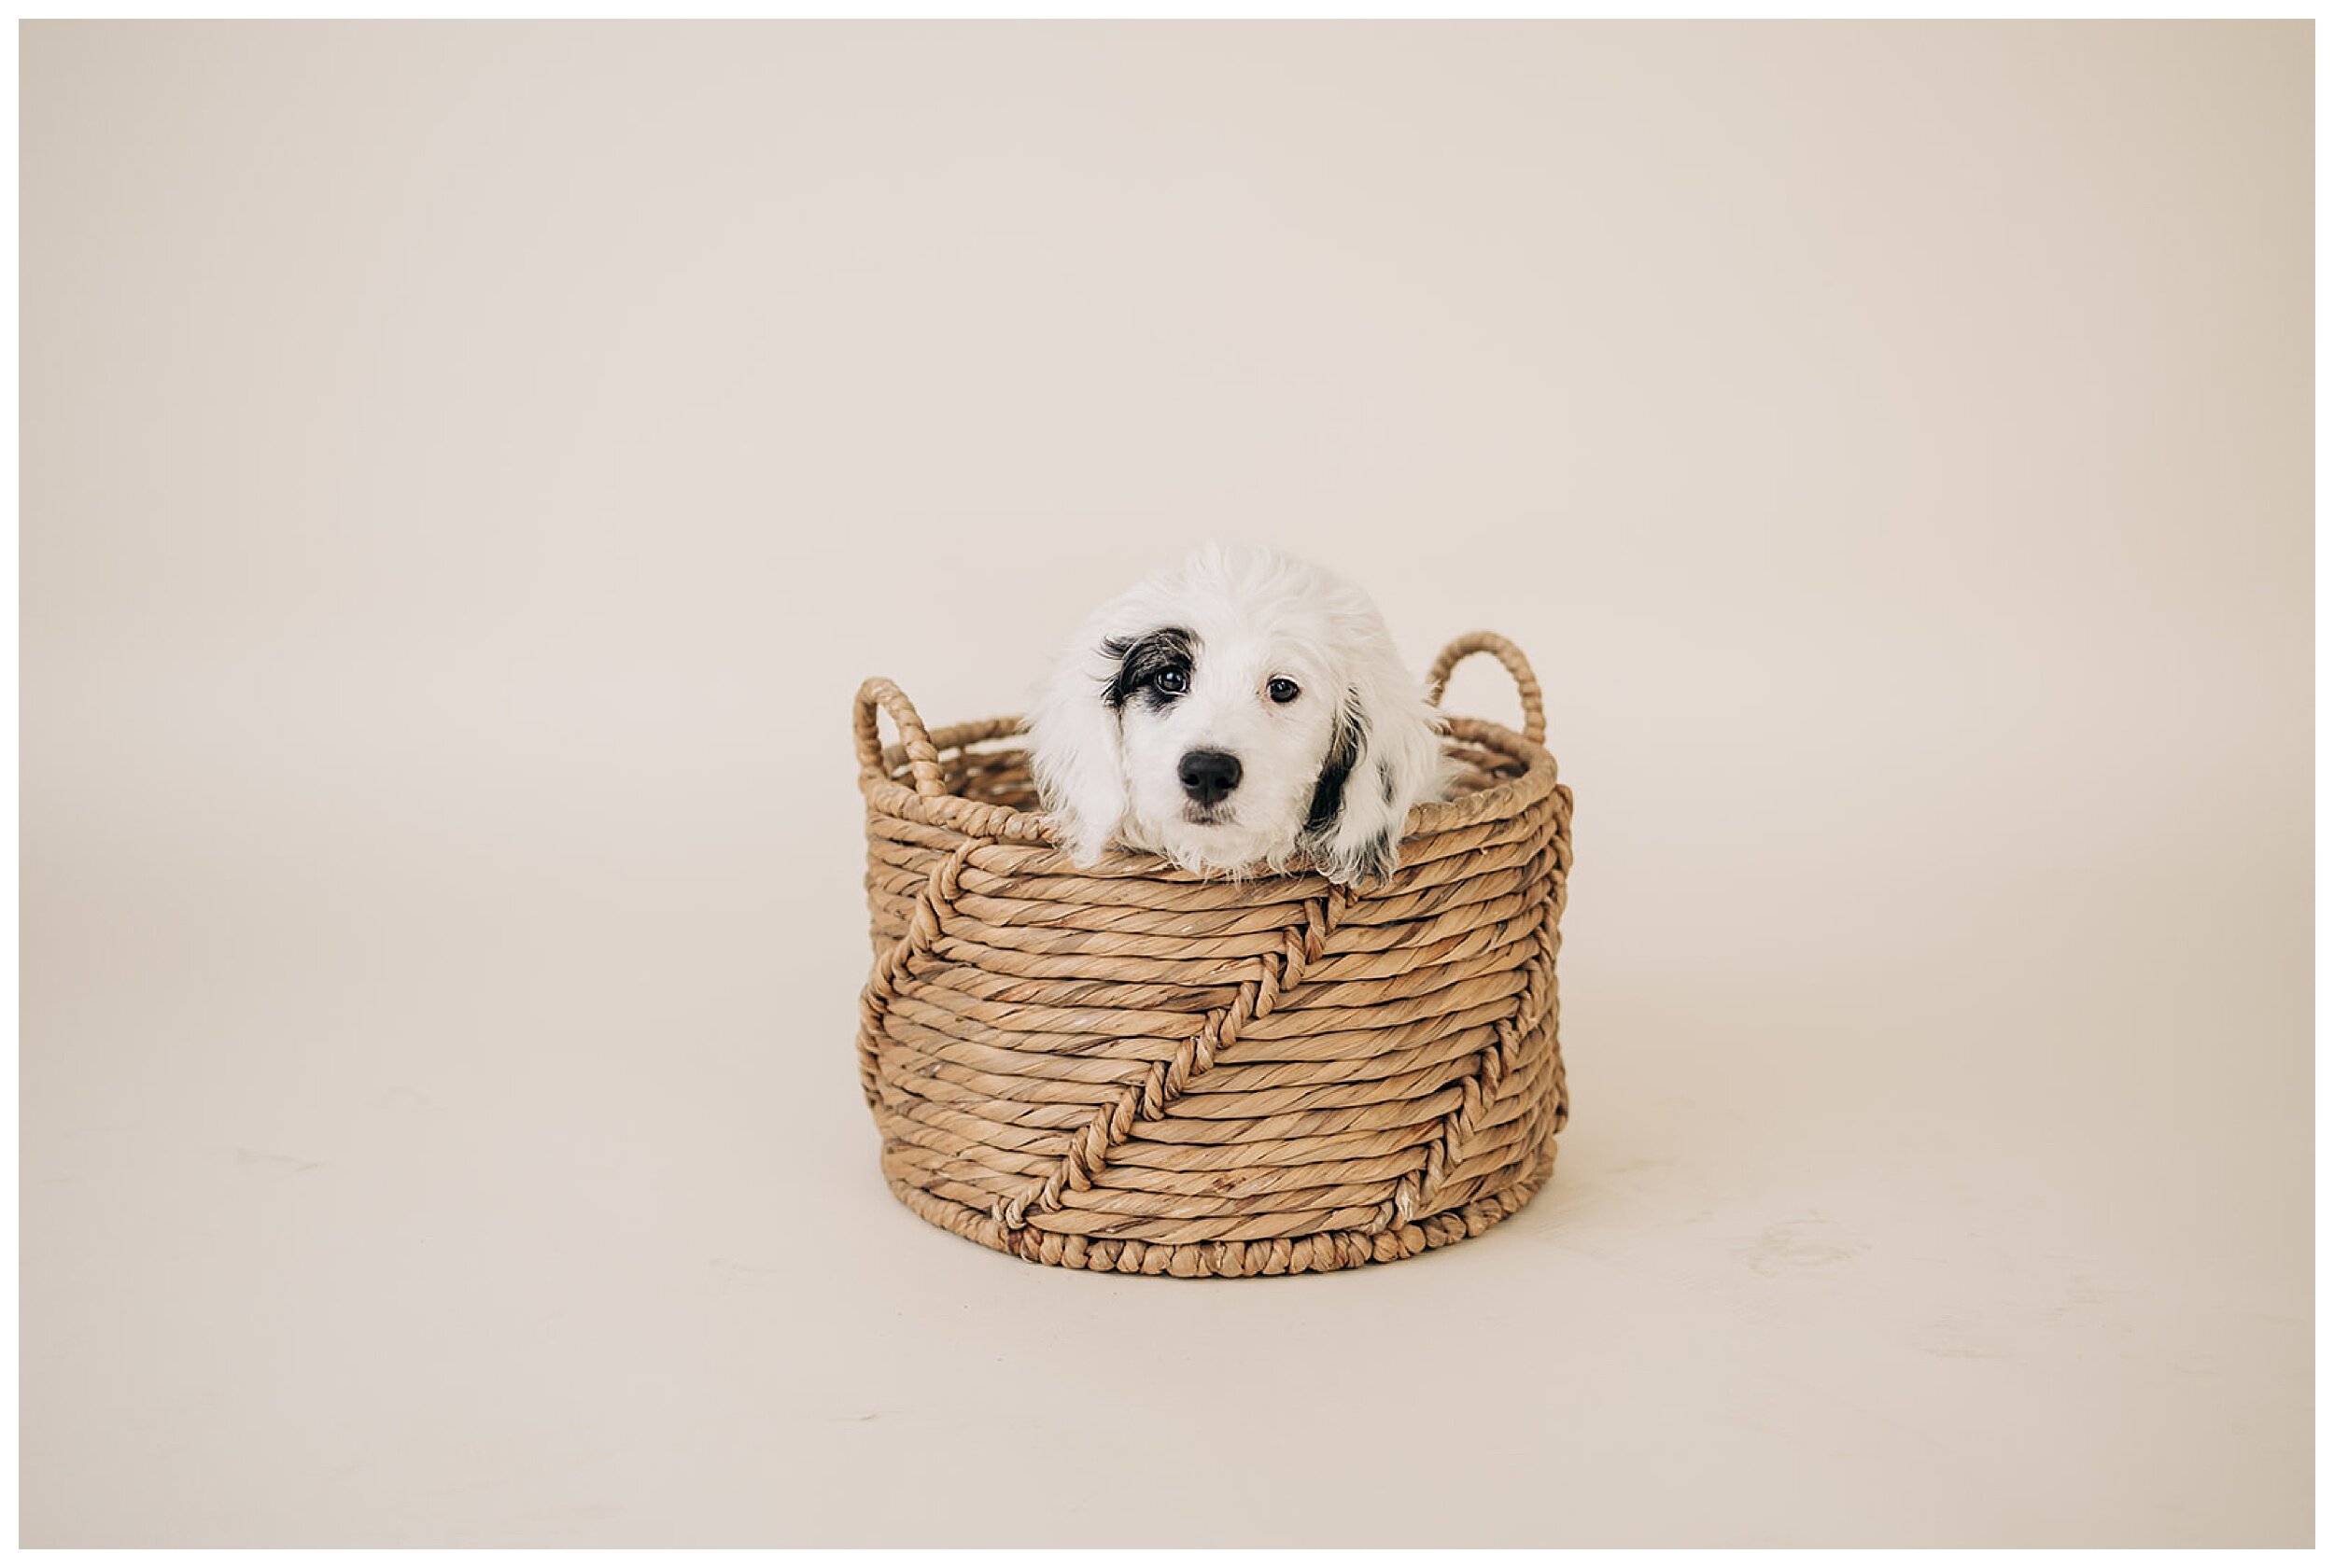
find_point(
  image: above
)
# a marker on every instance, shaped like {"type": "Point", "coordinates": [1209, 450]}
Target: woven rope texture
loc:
{"type": "Point", "coordinates": [1136, 1069]}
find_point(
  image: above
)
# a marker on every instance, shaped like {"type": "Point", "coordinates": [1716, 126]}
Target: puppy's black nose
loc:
{"type": "Point", "coordinates": [1208, 777]}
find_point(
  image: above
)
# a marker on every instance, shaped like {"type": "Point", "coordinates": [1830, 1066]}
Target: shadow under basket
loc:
{"type": "Point", "coordinates": [1136, 1069]}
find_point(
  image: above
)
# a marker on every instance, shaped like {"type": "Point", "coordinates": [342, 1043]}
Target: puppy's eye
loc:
{"type": "Point", "coordinates": [1282, 690]}
{"type": "Point", "coordinates": [1171, 680]}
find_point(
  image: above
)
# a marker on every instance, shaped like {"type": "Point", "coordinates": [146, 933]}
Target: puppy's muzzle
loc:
{"type": "Point", "coordinates": [1208, 777]}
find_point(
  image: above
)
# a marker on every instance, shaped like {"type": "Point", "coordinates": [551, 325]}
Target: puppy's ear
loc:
{"type": "Point", "coordinates": [1385, 756]}
{"type": "Point", "coordinates": [1075, 751]}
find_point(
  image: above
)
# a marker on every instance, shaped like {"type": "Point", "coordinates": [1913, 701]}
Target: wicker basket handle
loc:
{"type": "Point", "coordinates": [1499, 648]}
{"type": "Point", "coordinates": [922, 759]}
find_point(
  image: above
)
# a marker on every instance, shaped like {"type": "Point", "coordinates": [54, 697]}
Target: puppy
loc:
{"type": "Point", "coordinates": [1234, 714]}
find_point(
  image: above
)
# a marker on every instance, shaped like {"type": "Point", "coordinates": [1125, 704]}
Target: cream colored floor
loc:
{"type": "Point", "coordinates": [466, 474]}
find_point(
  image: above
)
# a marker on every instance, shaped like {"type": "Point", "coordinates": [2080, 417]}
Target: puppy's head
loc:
{"type": "Point", "coordinates": [1232, 714]}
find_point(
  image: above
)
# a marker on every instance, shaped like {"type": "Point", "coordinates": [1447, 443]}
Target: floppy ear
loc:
{"type": "Point", "coordinates": [1385, 757]}
{"type": "Point", "coordinates": [1075, 752]}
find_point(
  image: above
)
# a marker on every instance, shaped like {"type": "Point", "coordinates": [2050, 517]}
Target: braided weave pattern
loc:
{"type": "Point", "coordinates": [1131, 1068]}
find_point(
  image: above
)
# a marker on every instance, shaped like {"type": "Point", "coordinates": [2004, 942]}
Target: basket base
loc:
{"type": "Point", "coordinates": [1302, 1254]}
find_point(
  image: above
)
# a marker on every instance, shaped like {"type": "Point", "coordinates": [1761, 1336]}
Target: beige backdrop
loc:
{"type": "Point", "coordinates": [467, 471]}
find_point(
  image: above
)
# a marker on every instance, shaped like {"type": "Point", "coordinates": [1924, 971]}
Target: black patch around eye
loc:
{"type": "Point", "coordinates": [1329, 791]}
{"type": "Point", "coordinates": [1141, 661]}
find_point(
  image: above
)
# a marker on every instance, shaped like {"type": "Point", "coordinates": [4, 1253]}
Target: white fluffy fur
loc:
{"type": "Point", "coordinates": [1109, 774]}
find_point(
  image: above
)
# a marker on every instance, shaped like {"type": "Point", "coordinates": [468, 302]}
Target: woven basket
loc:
{"type": "Point", "coordinates": [1136, 1069]}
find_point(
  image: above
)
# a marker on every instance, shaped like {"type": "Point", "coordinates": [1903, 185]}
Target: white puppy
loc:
{"type": "Point", "coordinates": [1233, 714]}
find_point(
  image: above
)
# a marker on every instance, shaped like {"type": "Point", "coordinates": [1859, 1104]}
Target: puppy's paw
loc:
{"type": "Point", "coordinates": [1360, 859]}
{"type": "Point", "coordinates": [1078, 843]}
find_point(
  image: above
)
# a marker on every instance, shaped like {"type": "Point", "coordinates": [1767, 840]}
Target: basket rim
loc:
{"type": "Point", "coordinates": [884, 792]}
